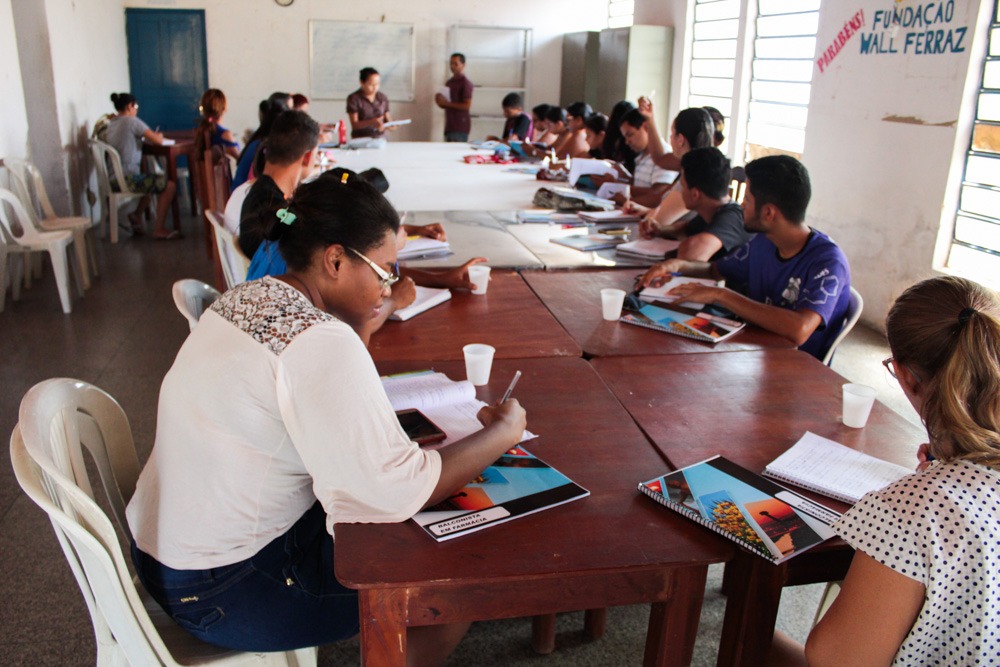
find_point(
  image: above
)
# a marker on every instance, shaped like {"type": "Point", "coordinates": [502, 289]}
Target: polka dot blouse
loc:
{"type": "Point", "coordinates": [940, 527]}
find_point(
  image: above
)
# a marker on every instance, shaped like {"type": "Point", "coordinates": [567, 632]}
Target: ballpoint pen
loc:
{"type": "Point", "coordinates": [510, 388]}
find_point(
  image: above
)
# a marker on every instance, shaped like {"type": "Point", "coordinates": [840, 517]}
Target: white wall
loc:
{"type": "Point", "coordinates": [89, 62]}
{"type": "Point", "coordinates": [14, 128]}
{"type": "Point", "coordinates": [884, 135]}
{"type": "Point", "coordinates": [256, 48]}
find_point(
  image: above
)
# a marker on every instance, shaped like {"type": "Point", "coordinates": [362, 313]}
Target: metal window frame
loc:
{"type": "Point", "coordinates": [992, 32]}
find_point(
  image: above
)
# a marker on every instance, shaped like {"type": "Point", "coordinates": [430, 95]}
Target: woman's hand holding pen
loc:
{"type": "Point", "coordinates": [508, 416]}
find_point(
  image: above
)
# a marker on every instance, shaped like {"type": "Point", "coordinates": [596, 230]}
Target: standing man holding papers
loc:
{"type": "Point", "coordinates": [457, 121]}
{"type": "Point", "coordinates": [790, 279]}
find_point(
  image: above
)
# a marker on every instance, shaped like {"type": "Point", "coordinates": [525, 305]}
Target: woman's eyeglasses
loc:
{"type": "Point", "coordinates": [387, 279]}
{"type": "Point", "coordinates": [890, 365]}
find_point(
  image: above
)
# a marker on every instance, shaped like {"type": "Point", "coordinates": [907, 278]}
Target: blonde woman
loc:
{"type": "Point", "coordinates": [922, 588]}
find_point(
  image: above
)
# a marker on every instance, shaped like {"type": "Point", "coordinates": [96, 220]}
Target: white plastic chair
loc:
{"type": "Point", "coordinates": [19, 235]}
{"type": "Point", "coordinates": [192, 297]}
{"type": "Point", "coordinates": [26, 182]}
{"type": "Point", "coordinates": [59, 418]}
{"type": "Point", "coordinates": [105, 155]}
{"type": "Point", "coordinates": [230, 255]}
{"type": "Point", "coordinates": [854, 308]}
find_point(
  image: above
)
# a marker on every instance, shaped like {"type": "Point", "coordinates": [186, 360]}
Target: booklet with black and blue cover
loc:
{"type": "Point", "coordinates": [765, 518]}
{"type": "Point", "coordinates": [515, 485]}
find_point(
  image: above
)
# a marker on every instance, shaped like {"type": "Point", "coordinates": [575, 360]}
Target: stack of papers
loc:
{"type": "Point", "coordinates": [420, 247]}
{"type": "Point", "coordinates": [609, 216]}
{"type": "Point", "coordinates": [588, 242]}
{"type": "Point", "coordinates": [653, 250]}
{"type": "Point", "coordinates": [546, 215]}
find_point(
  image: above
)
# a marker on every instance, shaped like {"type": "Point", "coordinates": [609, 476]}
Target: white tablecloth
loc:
{"type": "Point", "coordinates": [431, 176]}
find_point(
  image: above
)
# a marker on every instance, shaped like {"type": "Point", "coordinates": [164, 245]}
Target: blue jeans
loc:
{"type": "Point", "coordinates": [283, 598]}
{"type": "Point", "coordinates": [456, 136]}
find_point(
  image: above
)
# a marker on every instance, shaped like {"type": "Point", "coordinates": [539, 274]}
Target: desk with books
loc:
{"type": "Point", "coordinates": [604, 550]}
{"type": "Point", "coordinates": [755, 405]}
{"type": "Point", "coordinates": [509, 317]}
{"type": "Point", "coordinates": [574, 298]}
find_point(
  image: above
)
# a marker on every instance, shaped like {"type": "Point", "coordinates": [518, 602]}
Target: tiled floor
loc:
{"type": "Point", "coordinates": [122, 336]}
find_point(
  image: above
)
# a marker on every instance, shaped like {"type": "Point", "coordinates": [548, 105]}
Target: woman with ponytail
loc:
{"type": "Point", "coordinates": [923, 586]}
{"type": "Point", "coordinates": [213, 107]}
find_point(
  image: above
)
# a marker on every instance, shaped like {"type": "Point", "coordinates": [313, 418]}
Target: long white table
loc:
{"type": "Point", "coordinates": [432, 176]}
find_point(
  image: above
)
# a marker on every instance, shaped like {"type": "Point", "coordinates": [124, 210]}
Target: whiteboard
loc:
{"type": "Point", "coordinates": [338, 50]}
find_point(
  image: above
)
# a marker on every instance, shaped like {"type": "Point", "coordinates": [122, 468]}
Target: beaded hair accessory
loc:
{"type": "Point", "coordinates": [285, 216]}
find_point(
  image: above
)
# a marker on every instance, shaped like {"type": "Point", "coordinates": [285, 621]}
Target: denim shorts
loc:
{"type": "Point", "coordinates": [283, 598]}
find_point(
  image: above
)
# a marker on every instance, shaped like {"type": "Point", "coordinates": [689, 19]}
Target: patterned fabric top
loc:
{"type": "Point", "coordinates": [270, 311]}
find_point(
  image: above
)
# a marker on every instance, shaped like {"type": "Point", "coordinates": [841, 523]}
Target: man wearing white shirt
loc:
{"type": "Point", "coordinates": [649, 182]}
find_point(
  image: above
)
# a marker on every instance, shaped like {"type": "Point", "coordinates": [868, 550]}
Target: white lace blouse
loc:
{"type": "Point", "coordinates": [270, 404]}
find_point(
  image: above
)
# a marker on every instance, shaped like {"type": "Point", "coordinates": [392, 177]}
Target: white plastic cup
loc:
{"type": "Point", "coordinates": [858, 401]}
{"type": "Point", "coordinates": [479, 275]}
{"type": "Point", "coordinates": [612, 300]}
{"type": "Point", "coordinates": [478, 363]}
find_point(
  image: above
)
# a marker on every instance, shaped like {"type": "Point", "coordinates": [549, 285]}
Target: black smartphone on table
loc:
{"type": "Point", "coordinates": [419, 428]}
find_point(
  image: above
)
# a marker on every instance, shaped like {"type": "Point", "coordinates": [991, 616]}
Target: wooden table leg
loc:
{"type": "Point", "coordinates": [543, 633]}
{"type": "Point", "coordinates": [383, 627]}
{"type": "Point", "coordinates": [595, 621]}
{"type": "Point", "coordinates": [751, 610]}
{"type": "Point", "coordinates": [673, 624]}
{"type": "Point", "coordinates": [172, 176]}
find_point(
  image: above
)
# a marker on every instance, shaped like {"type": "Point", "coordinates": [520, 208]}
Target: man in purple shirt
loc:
{"type": "Point", "coordinates": [789, 279]}
{"type": "Point", "coordinates": [457, 121]}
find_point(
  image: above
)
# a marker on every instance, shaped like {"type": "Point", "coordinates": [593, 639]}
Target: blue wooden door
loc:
{"type": "Point", "coordinates": [168, 67]}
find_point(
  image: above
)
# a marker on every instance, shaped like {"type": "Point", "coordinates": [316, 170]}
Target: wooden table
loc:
{"type": "Point", "coordinates": [183, 146]}
{"type": "Point", "coordinates": [509, 317]}
{"type": "Point", "coordinates": [615, 547]}
{"type": "Point", "coordinates": [574, 298]}
{"type": "Point", "coordinates": [750, 407]}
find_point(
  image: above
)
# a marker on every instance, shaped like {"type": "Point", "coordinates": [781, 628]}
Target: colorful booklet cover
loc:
{"type": "Point", "coordinates": [517, 484]}
{"type": "Point", "coordinates": [709, 324]}
{"type": "Point", "coordinates": [764, 517]}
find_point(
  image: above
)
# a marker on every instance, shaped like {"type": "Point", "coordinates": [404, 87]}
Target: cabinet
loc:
{"type": "Point", "coordinates": [580, 52]}
{"type": "Point", "coordinates": [619, 64]}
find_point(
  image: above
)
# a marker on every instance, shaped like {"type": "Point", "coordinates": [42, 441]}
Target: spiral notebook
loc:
{"type": "Point", "coordinates": [830, 468]}
{"type": "Point", "coordinates": [765, 518]}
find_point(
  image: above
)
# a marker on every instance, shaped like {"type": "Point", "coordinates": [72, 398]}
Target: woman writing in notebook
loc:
{"type": "Point", "coordinates": [273, 426]}
{"type": "Point", "coordinates": [922, 588]}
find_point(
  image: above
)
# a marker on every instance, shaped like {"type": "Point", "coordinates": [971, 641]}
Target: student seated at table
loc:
{"type": "Point", "coordinates": [558, 128]}
{"type": "Point", "coordinates": [368, 107]}
{"type": "Point", "coordinates": [595, 129]}
{"type": "Point", "coordinates": [922, 587]}
{"type": "Point", "coordinates": [212, 108]}
{"type": "Point", "coordinates": [270, 261]}
{"type": "Point", "coordinates": [719, 121]}
{"type": "Point", "coordinates": [615, 147]}
{"type": "Point", "coordinates": [251, 161]}
{"type": "Point", "coordinates": [649, 182]}
{"type": "Point", "coordinates": [789, 279]}
{"type": "Point", "coordinates": [518, 126]}
{"type": "Point", "coordinates": [540, 126]}
{"type": "Point", "coordinates": [273, 426]}
{"type": "Point", "coordinates": [692, 128]}
{"type": "Point", "coordinates": [577, 114]}
{"type": "Point", "coordinates": [126, 132]}
{"type": "Point", "coordinates": [717, 229]}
